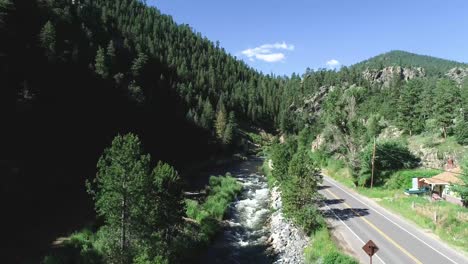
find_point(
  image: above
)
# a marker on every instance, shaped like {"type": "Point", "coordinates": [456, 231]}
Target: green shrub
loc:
{"type": "Point", "coordinates": [281, 154]}
{"type": "Point", "coordinates": [299, 191]}
{"type": "Point", "coordinates": [78, 248]}
{"type": "Point", "coordinates": [321, 158]}
{"type": "Point", "coordinates": [461, 132]}
{"type": "Point", "coordinates": [402, 179]}
{"type": "Point", "coordinates": [335, 165]}
{"type": "Point", "coordinates": [309, 218]}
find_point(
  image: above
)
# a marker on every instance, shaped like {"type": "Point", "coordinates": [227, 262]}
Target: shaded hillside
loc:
{"type": "Point", "coordinates": [432, 65]}
{"type": "Point", "coordinates": [74, 74]}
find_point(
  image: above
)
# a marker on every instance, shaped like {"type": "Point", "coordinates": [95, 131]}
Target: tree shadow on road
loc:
{"type": "Point", "coordinates": [340, 213]}
{"type": "Point", "coordinates": [344, 213]}
{"type": "Point", "coordinates": [333, 201]}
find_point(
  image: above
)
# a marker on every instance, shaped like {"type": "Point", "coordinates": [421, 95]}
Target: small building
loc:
{"type": "Point", "coordinates": [440, 185]}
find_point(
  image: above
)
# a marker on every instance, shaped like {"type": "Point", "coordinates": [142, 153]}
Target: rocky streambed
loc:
{"type": "Point", "coordinates": [287, 241]}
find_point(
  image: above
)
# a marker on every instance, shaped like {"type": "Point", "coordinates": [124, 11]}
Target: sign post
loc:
{"type": "Point", "coordinates": [370, 248]}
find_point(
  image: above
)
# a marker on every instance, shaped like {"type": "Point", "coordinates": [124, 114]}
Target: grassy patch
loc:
{"type": "Point", "coordinates": [323, 250]}
{"type": "Point", "coordinates": [451, 223]}
{"type": "Point", "coordinates": [267, 172]}
{"type": "Point", "coordinates": [222, 190]}
{"type": "Point", "coordinates": [339, 171]}
{"type": "Point", "coordinates": [402, 179]}
{"type": "Point", "coordinates": [380, 192]}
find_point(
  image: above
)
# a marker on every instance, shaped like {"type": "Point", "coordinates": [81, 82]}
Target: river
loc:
{"type": "Point", "coordinates": [246, 229]}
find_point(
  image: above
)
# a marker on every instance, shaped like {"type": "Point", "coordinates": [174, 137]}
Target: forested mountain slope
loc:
{"type": "Point", "coordinates": [397, 99]}
{"type": "Point", "coordinates": [74, 74]}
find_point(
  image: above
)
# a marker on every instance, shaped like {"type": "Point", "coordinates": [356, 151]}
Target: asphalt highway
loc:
{"type": "Point", "coordinates": [360, 219]}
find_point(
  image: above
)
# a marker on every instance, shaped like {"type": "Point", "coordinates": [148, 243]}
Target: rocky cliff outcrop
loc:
{"type": "Point", "coordinates": [387, 74]}
{"type": "Point", "coordinates": [312, 105]}
{"type": "Point", "coordinates": [458, 74]}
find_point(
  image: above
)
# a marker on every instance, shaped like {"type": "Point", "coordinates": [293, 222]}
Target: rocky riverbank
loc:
{"type": "Point", "coordinates": [287, 241]}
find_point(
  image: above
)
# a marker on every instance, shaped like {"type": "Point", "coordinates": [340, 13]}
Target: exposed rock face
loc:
{"type": "Point", "coordinates": [458, 74]}
{"type": "Point", "coordinates": [318, 142]}
{"type": "Point", "coordinates": [391, 132]}
{"type": "Point", "coordinates": [312, 105]}
{"type": "Point", "coordinates": [432, 157]}
{"type": "Point", "coordinates": [285, 239]}
{"type": "Point", "coordinates": [386, 75]}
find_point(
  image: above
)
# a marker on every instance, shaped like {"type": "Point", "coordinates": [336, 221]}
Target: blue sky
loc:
{"type": "Point", "coordinates": [288, 36]}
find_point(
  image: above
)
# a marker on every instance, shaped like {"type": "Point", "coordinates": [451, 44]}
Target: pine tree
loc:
{"type": "Point", "coordinates": [162, 212]}
{"type": "Point", "coordinates": [221, 121]}
{"type": "Point", "coordinates": [206, 118]}
{"type": "Point", "coordinates": [110, 56]}
{"type": "Point", "coordinates": [119, 190]}
{"type": "Point", "coordinates": [100, 63]}
{"type": "Point", "coordinates": [4, 6]}
{"type": "Point", "coordinates": [446, 104]}
{"type": "Point", "coordinates": [299, 190]}
{"type": "Point", "coordinates": [168, 208]}
{"type": "Point", "coordinates": [138, 64]}
{"type": "Point", "coordinates": [464, 99]}
{"type": "Point", "coordinates": [228, 135]}
{"type": "Point", "coordinates": [47, 39]}
{"type": "Point", "coordinates": [408, 104]}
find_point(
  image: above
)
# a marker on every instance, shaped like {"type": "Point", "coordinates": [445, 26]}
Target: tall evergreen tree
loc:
{"type": "Point", "coordinates": [206, 118]}
{"type": "Point", "coordinates": [100, 63]}
{"type": "Point", "coordinates": [111, 56]}
{"type": "Point", "coordinates": [231, 126]}
{"type": "Point", "coordinates": [119, 191]}
{"type": "Point", "coordinates": [4, 6]}
{"type": "Point", "coordinates": [47, 38]}
{"type": "Point", "coordinates": [221, 121]}
{"type": "Point", "coordinates": [299, 190]}
{"type": "Point", "coordinates": [139, 64]}
{"type": "Point", "coordinates": [446, 105]}
{"type": "Point", "coordinates": [408, 104]}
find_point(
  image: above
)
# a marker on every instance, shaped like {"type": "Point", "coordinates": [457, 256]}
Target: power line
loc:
{"type": "Point", "coordinates": [396, 159]}
{"type": "Point", "coordinates": [407, 153]}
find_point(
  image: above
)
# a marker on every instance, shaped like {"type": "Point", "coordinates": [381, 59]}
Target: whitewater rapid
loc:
{"type": "Point", "coordinates": [245, 232]}
{"type": "Point", "coordinates": [255, 230]}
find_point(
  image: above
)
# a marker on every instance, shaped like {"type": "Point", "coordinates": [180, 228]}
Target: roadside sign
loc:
{"type": "Point", "coordinates": [370, 248]}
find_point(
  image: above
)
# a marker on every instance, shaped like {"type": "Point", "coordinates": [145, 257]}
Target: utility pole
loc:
{"type": "Point", "coordinates": [373, 162]}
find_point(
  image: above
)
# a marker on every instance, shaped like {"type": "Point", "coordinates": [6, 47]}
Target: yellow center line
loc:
{"type": "Point", "coordinates": [378, 230]}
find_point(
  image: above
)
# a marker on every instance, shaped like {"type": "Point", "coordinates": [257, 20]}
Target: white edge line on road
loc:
{"type": "Point", "coordinates": [393, 222]}
{"type": "Point", "coordinates": [362, 241]}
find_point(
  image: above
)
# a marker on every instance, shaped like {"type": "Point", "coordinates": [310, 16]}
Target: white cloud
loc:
{"type": "Point", "coordinates": [268, 52]}
{"type": "Point", "coordinates": [273, 57]}
{"type": "Point", "coordinates": [333, 64]}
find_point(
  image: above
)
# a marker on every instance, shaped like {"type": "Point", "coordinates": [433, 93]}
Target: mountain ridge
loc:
{"type": "Point", "coordinates": [434, 66]}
